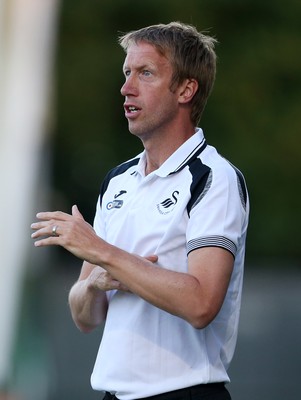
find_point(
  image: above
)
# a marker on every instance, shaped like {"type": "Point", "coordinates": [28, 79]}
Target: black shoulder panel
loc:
{"type": "Point", "coordinates": [120, 169]}
{"type": "Point", "coordinates": [242, 187]}
{"type": "Point", "coordinates": [200, 178]}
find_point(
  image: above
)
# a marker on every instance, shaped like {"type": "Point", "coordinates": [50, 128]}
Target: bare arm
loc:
{"type": "Point", "coordinates": [195, 296]}
{"type": "Point", "coordinates": [87, 297]}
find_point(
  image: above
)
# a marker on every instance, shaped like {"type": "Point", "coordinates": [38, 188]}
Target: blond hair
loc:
{"type": "Point", "coordinates": [190, 52]}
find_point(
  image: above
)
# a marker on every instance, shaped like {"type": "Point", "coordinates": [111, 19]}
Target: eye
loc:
{"type": "Point", "coordinates": [146, 72]}
{"type": "Point", "coordinates": [126, 72]}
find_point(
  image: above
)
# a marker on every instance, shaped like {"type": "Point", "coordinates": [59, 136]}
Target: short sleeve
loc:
{"type": "Point", "coordinates": [218, 214]}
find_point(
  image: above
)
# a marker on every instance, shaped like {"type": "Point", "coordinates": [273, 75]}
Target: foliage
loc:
{"type": "Point", "coordinates": [252, 116]}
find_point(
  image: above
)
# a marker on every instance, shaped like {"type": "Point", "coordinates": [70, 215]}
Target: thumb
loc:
{"type": "Point", "coordinates": [76, 212]}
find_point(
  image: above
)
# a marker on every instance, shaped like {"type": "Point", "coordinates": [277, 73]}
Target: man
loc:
{"type": "Point", "coordinates": [164, 263]}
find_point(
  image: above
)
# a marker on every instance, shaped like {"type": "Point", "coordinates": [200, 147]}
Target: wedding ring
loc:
{"type": "Point", "coordinates": [54, 233]}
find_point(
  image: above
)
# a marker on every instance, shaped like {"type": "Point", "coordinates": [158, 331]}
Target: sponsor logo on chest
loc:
{"type": "Point", "coordinates": [166, 206]}
{"type": "Point", "coordinates": [116, 203]}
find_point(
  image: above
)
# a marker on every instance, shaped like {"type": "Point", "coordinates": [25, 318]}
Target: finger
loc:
{"type": "Point", "coordinates": [46, 226]}
{"type": "Point", "coordinates": [38, 225]}
{"type": "Point", "coordinates": [114, 284]}
{"type": "Point", "coordinates": [152, 258]}
{"type": "Point", "coordinates": [49, 241]}
{"type": "Point", "coordinates": [56, 215]}
{"type": "Point", "coordinates": [44, 230]}
{"type": "Point", "coordinates": [123, 288]}
{"type": "Point", "coordinates": [76, 212]}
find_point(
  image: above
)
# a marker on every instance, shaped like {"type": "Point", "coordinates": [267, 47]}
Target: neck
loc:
{"type": "Point", "coordinates": [159, 149]}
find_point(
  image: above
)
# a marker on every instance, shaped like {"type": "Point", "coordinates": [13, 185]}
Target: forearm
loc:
{"type": "Point", "coordinates": [88, 305]}
{"type": "Point", "coordinates": [177, 293]}
{"type": "Point", "coordinates": [195, 296]}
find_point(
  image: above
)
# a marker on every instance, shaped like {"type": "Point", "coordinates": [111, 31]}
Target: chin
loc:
{"type": "Point", "coordinates": [135, 131]}
{"type": "Point", "coordinates": [143, 132]}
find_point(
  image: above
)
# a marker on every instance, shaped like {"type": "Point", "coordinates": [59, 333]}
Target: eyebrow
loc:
{"type": "Point", "coordinates": [138, 67]}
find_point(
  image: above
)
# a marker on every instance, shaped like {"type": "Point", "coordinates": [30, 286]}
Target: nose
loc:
{"type": "Point", "coordinates": [129, 87]}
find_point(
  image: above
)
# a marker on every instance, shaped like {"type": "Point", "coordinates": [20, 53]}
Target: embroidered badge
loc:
{"type": "Point", "coordinates": [167, 205]}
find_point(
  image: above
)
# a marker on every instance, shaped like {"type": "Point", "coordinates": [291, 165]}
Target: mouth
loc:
{"type": "Point", "coordinates": [131, 109]}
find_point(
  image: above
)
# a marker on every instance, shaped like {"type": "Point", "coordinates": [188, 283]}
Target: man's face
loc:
{"type": "Point", "coordinates": [150, 106]}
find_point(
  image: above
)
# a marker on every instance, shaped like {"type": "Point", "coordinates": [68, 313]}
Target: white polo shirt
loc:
{"type": "Point", "coordinates": [195, 199]}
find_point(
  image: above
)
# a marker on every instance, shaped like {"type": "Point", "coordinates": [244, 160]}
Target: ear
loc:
{"type": "Point", "coordinates": [187, 90]}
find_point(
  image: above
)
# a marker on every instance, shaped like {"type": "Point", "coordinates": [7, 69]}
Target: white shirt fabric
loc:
{"type": "Point", "coordinates": [195, 199]}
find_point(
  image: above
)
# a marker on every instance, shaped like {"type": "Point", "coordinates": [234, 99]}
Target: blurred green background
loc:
{"type": "Point", "coordinates": [252, 117]}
